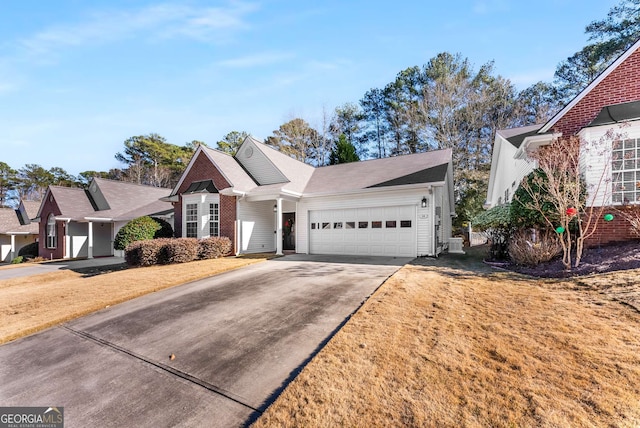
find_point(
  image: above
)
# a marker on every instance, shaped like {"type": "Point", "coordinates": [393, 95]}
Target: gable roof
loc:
{"type": "Point", "coordinates": [305, 180]}
{"type": "Point", "coordinates": [10, 223]}
{"type": "Point", "coordinates": [297, 173]}
{"type": "Point", "coordinates": [427, 167]}
{"type": "Point", "coordinates": [516, 136]}
{"type": "Point", "coordinates": [621, 59]}
{"type": "Point", "coordinates": [126, 201]}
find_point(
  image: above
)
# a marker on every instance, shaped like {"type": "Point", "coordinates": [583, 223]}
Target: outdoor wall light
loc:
{"type": "Point", "coordinates": [275, 208]}
{"type": "Point", "coordinates": [424, 202]}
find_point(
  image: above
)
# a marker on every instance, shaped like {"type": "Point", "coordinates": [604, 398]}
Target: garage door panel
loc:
{"type": "Point", "coordinates": [364, 231]}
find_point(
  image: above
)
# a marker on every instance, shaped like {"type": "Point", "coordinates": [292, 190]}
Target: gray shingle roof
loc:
{"type": "Point", "coordinates": [126, 201]}
{"type": "Point", "coordinates": [298, 173]}
{"type": "Point", "coordinates": [231, 169]}
{"type": "Point", "coordinates": [398, 170]}
{"type": "Point", "coordinates": [516, 136]}
{"type": "Point", "coordinates": [9, 223]}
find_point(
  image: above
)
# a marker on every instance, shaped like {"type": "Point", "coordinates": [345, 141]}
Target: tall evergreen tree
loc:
{"type": "Point", "coordinates": [343, 152]}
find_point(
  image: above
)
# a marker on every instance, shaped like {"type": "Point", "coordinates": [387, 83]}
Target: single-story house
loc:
{"type": "Point", "coordinates": [78, 222]}
{"type": "Point", "coordinates": [17, 229]}
{"type": "Point", "coordinates": [609, 101]}
{"type": "Point", "coordinates": [267, 201]}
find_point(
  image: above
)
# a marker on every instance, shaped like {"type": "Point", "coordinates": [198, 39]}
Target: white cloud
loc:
{"type": "Point", "coordinates": [155, 22]}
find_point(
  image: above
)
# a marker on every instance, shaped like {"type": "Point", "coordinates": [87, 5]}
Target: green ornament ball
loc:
{"type": "Point", "coordinates": [608, 217]}
{"type": "Point", "coordinates": [560, 229]}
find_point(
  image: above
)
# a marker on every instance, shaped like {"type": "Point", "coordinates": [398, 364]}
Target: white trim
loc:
{"type": "Point", "coordinates": [376, 189]}
{"type": "Point", "coordinates": [622, 58]}
{"type": "Point", "coordinates": [533, 142]}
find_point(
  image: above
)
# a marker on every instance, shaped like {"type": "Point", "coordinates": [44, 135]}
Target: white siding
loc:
{"type": "Point", "coordinates": [595, 161]}
{"type": "Point", "coordinates": [508, 172]}
{"type": "Point", "coordinates": [79, 237]}
{"type": "Point", "coordinates": [202, 200]}
{"type": "Point", "coordinates": [257, 225]}
{"type": "Point", "coordinates": [384, 198]}
{"type": "Point", "coordinates": [258, 165]}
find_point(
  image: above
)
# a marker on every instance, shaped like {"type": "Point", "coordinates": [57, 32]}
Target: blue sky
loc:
{"type": "Point", "coordinates": [78, 78]}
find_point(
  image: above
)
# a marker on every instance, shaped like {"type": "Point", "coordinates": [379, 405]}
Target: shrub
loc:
{"type": "Point", "coordinates": [144, 253]}
{"type": "Point", "coordinates": [142, 228]}
{"type": "Point", "coordinates": [17, 260]}
{"type": "Point", "coordinates": [497, 224]}
{"type": "Point", "coordinates": [214, 247]}
{"type": "Point", "coordinates": [532, 247]}
{"type": "Point", "coordinates": [165, 231]}
{"type": "Point", "coordinates": [29, 250]}
{"type": "Point", "coordinates": [179, 250]}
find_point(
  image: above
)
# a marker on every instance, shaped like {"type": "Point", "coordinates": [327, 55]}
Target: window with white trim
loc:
{"type": "Point", "coordinates": [52, 232]}
{"type": "Point", "coordinates": [191, 220]}
{"type": "Point", "coordinates": [214, 220]}
{"type": "Point", "coordinates": [625, 176]}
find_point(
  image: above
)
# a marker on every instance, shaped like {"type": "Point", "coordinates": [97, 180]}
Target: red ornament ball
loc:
{"type": "Point", "coordinates": [571, 211]}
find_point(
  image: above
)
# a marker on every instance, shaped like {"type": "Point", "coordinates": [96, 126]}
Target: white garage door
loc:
{"type": "Point", "coordinates": [378, 231]}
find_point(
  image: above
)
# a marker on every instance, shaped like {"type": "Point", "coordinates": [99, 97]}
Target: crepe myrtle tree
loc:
{"type": "Point", "coordinates": [561, 195]}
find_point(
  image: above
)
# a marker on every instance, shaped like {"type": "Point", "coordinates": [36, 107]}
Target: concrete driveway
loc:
{"type": "Point", "coordinates": [238, 339]}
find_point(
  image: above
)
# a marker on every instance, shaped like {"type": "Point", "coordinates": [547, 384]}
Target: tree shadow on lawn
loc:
{"type": "Point", "coordinates": [472, 262]}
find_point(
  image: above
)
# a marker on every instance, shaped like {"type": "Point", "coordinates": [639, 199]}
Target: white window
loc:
{"type": "Point", "coordinates": [52, 232]}
{"type": "Point", "coordinates": [625, 166]}
{"type": "Point", "coordinates": [191, 219]}
{"type": "Point", "coordinates": [214, 220]}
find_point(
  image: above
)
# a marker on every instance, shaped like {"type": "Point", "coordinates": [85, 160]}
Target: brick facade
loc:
{"type": "Point", "coordinates": [50, 206]}
{"type": "Point", "coordinates": [203, 169]}
{"type": "Point", "coordinates": [620, 86]}
{"type": "Point", "coordinates": [616, 230]}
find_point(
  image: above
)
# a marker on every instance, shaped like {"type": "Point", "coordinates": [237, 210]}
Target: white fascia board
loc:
{"type": "Point", "coordinates": [20, 233]}
{"type": "Point", "coordinates": [100, 219]}
{"type": "Point", "coordinates": [230, 191]}
{"type": "Point", "coordinates": [533, 142]}
{"type": "Point", "coordinates": [376, 189]}
{"type": "Point", "coordinates": [174, 198]}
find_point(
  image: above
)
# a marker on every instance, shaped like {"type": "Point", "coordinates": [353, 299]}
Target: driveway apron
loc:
{"type": "Point", "coordinates": [214, 352]}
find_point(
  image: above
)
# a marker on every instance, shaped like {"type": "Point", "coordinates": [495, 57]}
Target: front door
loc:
{"type": "Point", "coordinates": [288, 231]}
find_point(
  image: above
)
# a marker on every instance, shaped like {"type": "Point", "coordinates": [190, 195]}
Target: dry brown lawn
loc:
{"type": "Point", "coordinates": [443, 347]}
{"type": "Point", "coordinates": [36, 302]}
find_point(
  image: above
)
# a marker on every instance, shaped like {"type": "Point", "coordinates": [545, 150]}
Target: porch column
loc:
{"type": "Point", "coordinates": [90, 245]}
{"type": "Point", "coordinates": [12, 254]}
{"type": "Point", "coordinates": [67, 241]}
{"type": "Point", "coordinates": [279, 227]}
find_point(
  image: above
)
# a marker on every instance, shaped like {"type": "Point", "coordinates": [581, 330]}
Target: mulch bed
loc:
{"type": "Point", "coordinates": [616, 257]}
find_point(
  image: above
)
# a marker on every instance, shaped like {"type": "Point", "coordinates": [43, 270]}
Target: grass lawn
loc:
{"type": "Point", "coordinates": [36, 302]}
{"type": "Point", "coordinates": [452, 347]}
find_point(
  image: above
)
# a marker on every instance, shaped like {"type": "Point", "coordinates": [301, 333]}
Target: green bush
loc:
{"type": "Point", "coordinates": [29, 250]}
{"type": "Point", "coordinates": [496, 222]}
{"type": "Point", "coordinates": [524, 217]}
{"type": "Point", "coordinates": [214, 247]}
{"type": "Point", "coordinates": [17, 260]}
{"type": "Point", "coordinates": [140, 229]}
{"type": "Point", "coordinates": [179, 250]}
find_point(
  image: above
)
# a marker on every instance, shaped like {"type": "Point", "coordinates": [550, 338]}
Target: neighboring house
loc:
{"type": "Point", "coordinates": [267, 201]}
{"type": "Point", "coordinates": [78, 222]}
{"type": "Point", "coordinates": [612, 99]}
{"type": "Point", "coordinates": [17, 229]}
